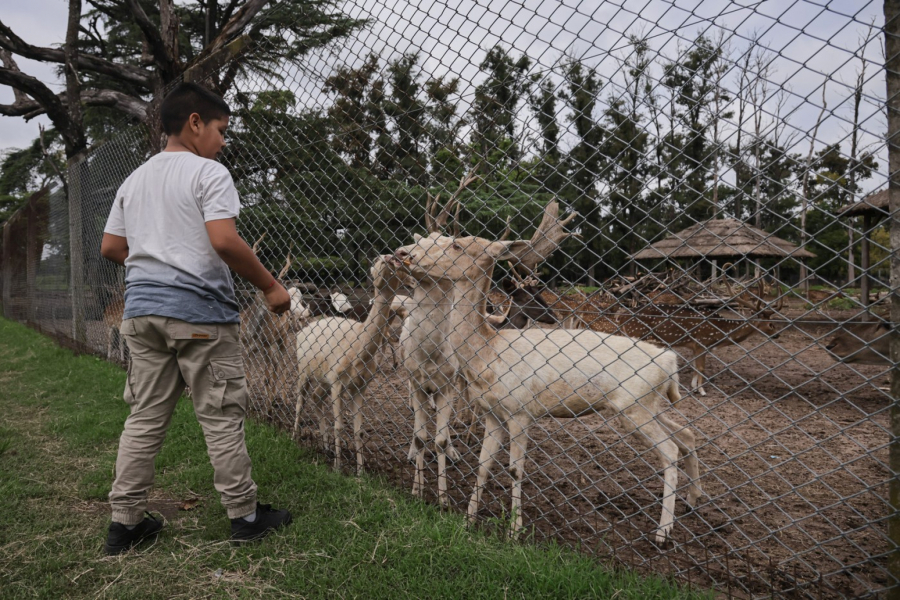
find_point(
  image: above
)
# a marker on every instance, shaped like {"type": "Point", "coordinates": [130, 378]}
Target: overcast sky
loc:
{"type": "Point", "coordinates": [809, 42]}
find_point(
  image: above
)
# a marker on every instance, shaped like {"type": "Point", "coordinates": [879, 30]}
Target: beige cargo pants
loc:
{"type": "Point", "coordinates": [166, 355]}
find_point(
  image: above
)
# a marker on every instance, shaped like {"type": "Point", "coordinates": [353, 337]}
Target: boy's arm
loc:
{"type": "Point", "coordinates": [114, 248]}
{"type": "Point", "coordinates": [235, 252]}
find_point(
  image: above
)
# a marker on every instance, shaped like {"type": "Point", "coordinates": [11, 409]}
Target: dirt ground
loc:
{"type": "Point", "coordinates": [793, 453]}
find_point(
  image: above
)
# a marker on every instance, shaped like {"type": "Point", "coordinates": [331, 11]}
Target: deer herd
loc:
{"type": "Point", "coordinates": [465, 356]}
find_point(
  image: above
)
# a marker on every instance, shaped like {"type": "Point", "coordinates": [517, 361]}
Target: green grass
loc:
{"type": "Point", "coordinates": [351, 537]}
{"type": "Point", "coordinates": [582, 289]}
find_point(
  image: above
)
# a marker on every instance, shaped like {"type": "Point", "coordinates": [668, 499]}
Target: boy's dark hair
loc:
{"type": "Point", "coordinates": [188, 98]}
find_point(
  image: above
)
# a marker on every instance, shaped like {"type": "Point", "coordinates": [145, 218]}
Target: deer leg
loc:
{"type": "Point", "coordinates": [641, 422]}
{"type": "Point", "coordinates": [418, 397]}
{"type": "Point", "coordinates": [336, 409]}
{"type": "Point", "coordinates": [686, 441]}
{"type": "Point", "coordinates": [465, 411]}
{"type": "Point", "coordinates": [301, 388]}
{"type": "Point", "coordinates": [518, 444]}
{"type": "Point", "coordinates": [322, 400]}
{"type": "Point", "coordinates": [698, 364]}
{"type": "Point", "coordinates": [109, 343]}
{"type": "Point", "coordinates": [442, 440]}
{"type": "Point", "coordinates": [493, 439]}
{"type": "Point", "coordinates": [701, 372]}
{"type": "Point", "coordinates": [356, 406]}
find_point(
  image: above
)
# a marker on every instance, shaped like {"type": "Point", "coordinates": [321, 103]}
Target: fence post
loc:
{"type": "Point", "coordinates": [6, 267]}
{"type": "Point", "coordinates": [892, 78]}
{"type": "Point", "coordinates": [32, 257]}
{"type": "Point", "coordinates": [75, 166]}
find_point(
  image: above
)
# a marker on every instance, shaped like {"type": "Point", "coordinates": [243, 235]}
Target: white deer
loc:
{"type": "Point", "coordinates": [519, 376]}
{"type": "Point", "coordinates": [430, 360]}
{"type": "Point", "coordinates": [337, 357]}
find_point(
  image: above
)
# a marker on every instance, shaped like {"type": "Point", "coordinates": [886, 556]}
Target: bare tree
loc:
{"type": "Point", "coordinates": [122, 77]}
{"type": "Point", "coordinates": [806, 191]}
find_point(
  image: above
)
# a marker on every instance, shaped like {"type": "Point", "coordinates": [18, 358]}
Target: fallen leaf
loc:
{"type": "Point", "coordinates": [189, 504]}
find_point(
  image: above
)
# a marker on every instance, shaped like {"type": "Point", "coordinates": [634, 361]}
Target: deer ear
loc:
{"type": "Point", "coordinates": [511, 250]}
{"type": "Point", "coordinates": [416, 237]}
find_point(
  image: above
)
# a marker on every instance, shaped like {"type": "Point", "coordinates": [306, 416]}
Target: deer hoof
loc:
{"type": "Point", "coordinates": [452, 454]}
{"type": "Point", "coordinates": [662, 537]}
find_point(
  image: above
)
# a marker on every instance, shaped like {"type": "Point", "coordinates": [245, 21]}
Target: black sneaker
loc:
{"type": "Point", "coordinates": [267, 520]}
{"type": "Point", "coordinates": [120, 538]}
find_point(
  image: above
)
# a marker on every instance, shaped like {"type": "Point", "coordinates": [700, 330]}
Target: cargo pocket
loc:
{"type": "Point", "coordinates": [127, 327]}
{"type": "Point", "coordinates": [128, 396]}
{"type": "Point", "coordinates": [228, 385]}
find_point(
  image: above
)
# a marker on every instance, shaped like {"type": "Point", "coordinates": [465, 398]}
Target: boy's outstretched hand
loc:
{"type": "Point", "coordinates": [277, 299]}
{"type": "Point", "coordinates": [239, 256]}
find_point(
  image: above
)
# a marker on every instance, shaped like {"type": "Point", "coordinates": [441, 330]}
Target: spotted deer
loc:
{"type": "Point", "coordinates": [698, 329]}
{"type": "Point", "coordinates": [518, 376]}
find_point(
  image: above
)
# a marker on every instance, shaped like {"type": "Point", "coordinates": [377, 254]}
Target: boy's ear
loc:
{"type": "Point", "coordinates": [194, 121]}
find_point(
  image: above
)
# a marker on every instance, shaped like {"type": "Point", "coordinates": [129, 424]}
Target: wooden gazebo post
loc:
{"type": "Point", "coordinates": [872, 208]}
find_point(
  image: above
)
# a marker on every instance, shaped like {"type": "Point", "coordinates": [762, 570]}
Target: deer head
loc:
{"type": "Point", "coordinates": [866, 344]}
{"type": "Point", "coordinates": [386, 274]}
{"type": "Point", "coordinates": [470, 258]}
{"type": "Point", "coordinates": [525, 295]}
{"type": "Point", "coordinates": [761, 312]}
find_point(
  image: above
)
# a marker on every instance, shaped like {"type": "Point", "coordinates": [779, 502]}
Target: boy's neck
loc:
{"type": "Point", "coordinates": [175, 144]}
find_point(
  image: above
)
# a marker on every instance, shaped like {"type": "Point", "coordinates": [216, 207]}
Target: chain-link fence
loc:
{"type": "Point", "coordinates": [728, 165]}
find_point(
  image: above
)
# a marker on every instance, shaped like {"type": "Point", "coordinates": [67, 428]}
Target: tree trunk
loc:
{"type": "Point", "coordinates": [75, 139]}
{"type": "Point", "coordinates": [864, 266]}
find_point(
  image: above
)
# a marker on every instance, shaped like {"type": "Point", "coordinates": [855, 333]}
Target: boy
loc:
{"type": "Point", "coordinates": [173, 227]}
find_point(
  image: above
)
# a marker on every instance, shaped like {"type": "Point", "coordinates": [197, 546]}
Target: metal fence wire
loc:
{"type": "Point", "coordinates": [728, 165]}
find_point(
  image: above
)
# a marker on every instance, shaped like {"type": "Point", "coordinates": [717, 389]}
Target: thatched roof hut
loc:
{"type": "Point", "coordinates": [876, 204]}
{"type": "Point", "coordinates": [873, 208]}
{"type": "Point", "coordinates": [720, 239]}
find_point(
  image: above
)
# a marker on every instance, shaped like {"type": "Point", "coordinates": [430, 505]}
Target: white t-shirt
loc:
{"type": "Point", "coordinates": [172, 269]}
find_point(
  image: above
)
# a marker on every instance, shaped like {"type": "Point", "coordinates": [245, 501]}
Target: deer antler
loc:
{"type": "Point", "coordinates": [429, 211]}
{"type": "Point", "coordinates": [506, 231]}
{"type": "Point", "coordinates": [287, 264]}
{"type": "Point", "coordinates": [752, 305]}
{"type": "Point", "coordinates": [256, 243]}
{"type": "Point", "coordinates": [437, 223]}
{"type": "Point", "coordinates": [547, 238]}
{"type": "Point", "coordinates": [498, 320]}
{"type": "Point", "coordinates": [515, 274]}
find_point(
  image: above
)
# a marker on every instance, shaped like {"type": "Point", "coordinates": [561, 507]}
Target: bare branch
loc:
{"type": "Point", "coordinates": [167, 64]}
{"type": "Point", "coordinates": [86, 62]}
{"type": "Point", "coordinates": [134, 107]}
{"type": "Point", "coordinates": [43, 95]}
{"type": "Point", "coordinates": [7, 60]}
{"type": "Point", "coordinates": [125, 103]}
{"type": "Point", "coordinates": [234, 27]}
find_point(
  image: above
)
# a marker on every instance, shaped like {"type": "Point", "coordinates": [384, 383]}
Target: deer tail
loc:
{"type": "Point", "coordinates": [672, 390]}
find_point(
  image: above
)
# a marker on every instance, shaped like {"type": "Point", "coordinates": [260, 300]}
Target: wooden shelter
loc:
{"type": "Point", "coordinates": [873, 208]}
{"type": "Point", "coordinates": [722, 239]}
